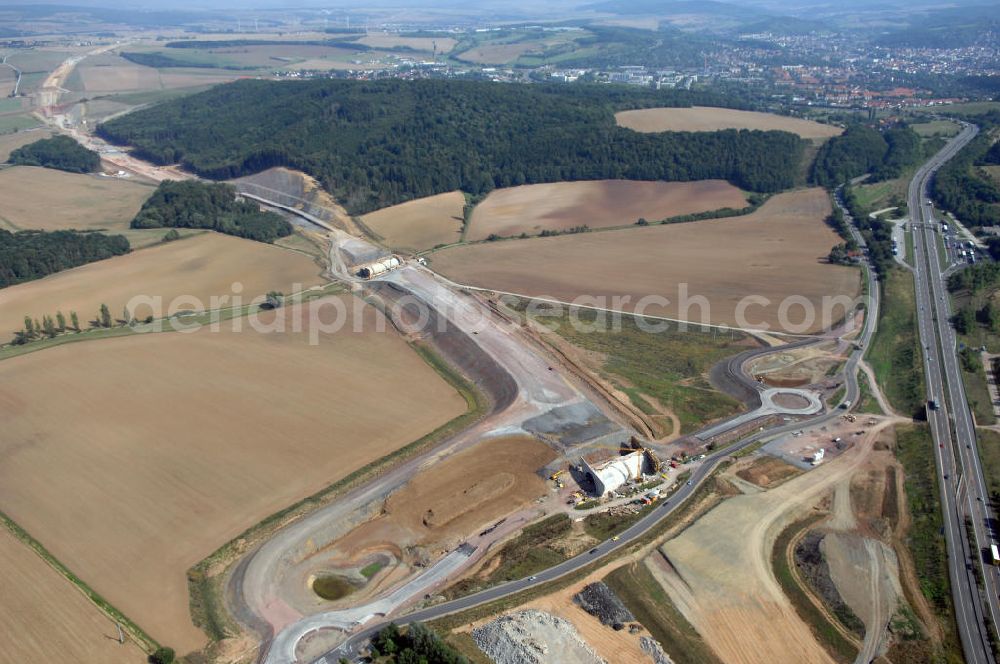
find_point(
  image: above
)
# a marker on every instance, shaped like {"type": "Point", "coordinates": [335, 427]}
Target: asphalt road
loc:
{"type": "Point", "coordinates": [960, 474]}
{"type": "Point", "coordinates": [350, 648]}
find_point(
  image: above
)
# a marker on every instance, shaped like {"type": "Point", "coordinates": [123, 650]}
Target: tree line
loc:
{"type": "Point", "coordinates": [862, 149]}
{"type": "Point", "coordinates": [49, 327]}
{"type": "Point", "coordinates": [28, 255]}
{"type": "Point", "coordinates": [192, 204]}
{"type": "Point", "coordinates": [961, 188]}
{"type": "Point", "coordinates": [378, 143]}
{"type": "Point", "coordinates": [59, 152]}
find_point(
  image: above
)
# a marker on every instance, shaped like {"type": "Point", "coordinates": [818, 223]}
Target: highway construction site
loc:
{"type": "Point", "coordinates": [384, 548]}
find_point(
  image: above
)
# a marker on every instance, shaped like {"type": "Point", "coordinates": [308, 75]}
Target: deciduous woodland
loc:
{"type": "Point", "coordinates": [34, 254]}
{"type": "Point", "coordinates": [374, 144]}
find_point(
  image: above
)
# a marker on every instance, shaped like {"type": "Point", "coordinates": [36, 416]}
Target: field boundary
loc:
{"type": "Point", "coordinates": [139, 635]}
{"type": "Point", "coordinates": [726, 328]}
{"type": "Point", "coordinates": [208, 611]}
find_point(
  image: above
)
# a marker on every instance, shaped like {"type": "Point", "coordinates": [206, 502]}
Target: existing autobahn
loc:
{"type": "Point", "coordinates": [351, 647]}
{"type": "Point", "coordinates": [960, 475]}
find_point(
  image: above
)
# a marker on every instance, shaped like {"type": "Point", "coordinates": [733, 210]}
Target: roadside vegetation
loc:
{"type": "Point", "coordinates": [191, 204]}
{"type": "Point", "coordinates": [59, 152]}
{"type": "Point", "coordinates": [414, 644]}
{"type": "Point", "coordinates": [977, 324]}
{"type": "Point", "coordinates": [894, 354]}
{"type": "Point", "coordinates": [963, 187]}
{"type": "Point", "coordinates": [535, 549]}
{"type": "Point", "coordinates": [827, 634]}
{"type": "Point", "coordinates": [378, 143]}
{"type": "Point", "coordinates": [649, 603]}
{"type": "Point", "coordinates": [915, 451]}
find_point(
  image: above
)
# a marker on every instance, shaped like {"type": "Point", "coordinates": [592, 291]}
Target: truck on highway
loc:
{"type": "Point", "coordinates": [995, 555]}
{"type": "Point", "coordinates": [932, 404]}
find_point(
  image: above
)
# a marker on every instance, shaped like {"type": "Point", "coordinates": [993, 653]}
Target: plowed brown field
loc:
{"type": "Point", "coordinates": [597, 204]}
{"type": "Point", "coordinates": [778, 251]}
{"type": "Point", "coordinates": [131, 459]}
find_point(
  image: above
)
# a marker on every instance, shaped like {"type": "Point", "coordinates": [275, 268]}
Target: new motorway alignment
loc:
{"type": "Point", "coordinates": [960, 474]}
{"type": "Point", "coordinates": [350, 648]}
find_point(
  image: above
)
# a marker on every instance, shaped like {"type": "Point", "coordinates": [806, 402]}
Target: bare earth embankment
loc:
{"type": "Point", "coordinates": [706, 118]}
{"type": "Point", "coordinates": [420, 224]}
{"type": "Point", "coordinates": [132, 459]}
{"type": "Point", "coordinates": [597, 203]}
{"type": "Point", "coordinates": [778, 251]}
{"type": "Point", "coordinates": [193, 270]}
{"type": "Point", "coordinates": [43, 616]}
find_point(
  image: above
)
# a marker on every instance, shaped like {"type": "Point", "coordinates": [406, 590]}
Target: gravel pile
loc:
{"type": "Point", "coordinates": [653, 648]}
{"type": "Point", "coordinates": [533, 637]}
{"type": "Point", "coordinates": [601, 602]}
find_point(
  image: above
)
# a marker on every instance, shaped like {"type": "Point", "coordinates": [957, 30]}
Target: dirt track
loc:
{"type": "Point", "coordinates": [724, 584]}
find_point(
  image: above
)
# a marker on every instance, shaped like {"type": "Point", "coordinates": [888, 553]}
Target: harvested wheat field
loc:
{"type": "Point", "coordinates": [778, 251]}
{"type": "Point", "coordinates": [151, 451]}
{"type": "Point", "coordinates": [186, 273]}
{"type": "Point", "coordinates": [390, 40]}
{"type": "Point", "coordinates": [46, 199]}
{"type": "Point", "coordinates": [420, 224]}
{"type": "Point", "coordinates": [597, 203]}
{"type": "Point", "coordinates": [10, 142]}
{"type": "Point", "coordinates": [719, 573]}
{"type": "Point", "coordinates": [43, 617]}
{"type": "Point", "coordinates": [706, 118]}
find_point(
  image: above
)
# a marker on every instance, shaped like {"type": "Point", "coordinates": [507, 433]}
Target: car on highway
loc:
{"type": "Point", "coordinates": [532, 578]}
{"type": "Point", "coordinates": [594, 550]}
{"type": "Point", "coordinates": [615, 538]}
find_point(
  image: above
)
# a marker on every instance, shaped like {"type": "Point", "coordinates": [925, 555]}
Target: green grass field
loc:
{"type": "Point", "coordinates": [894, 353]}
{"type": "Point", "coordinates": [970, 108]}
{"type": "Point", "coordinates": [945, 128]}
{"type": "Point", "coordinates": [667, 366]}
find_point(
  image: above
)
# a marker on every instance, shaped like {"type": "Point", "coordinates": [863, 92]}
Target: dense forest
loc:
{"type": "Point", "coordinates": [861, 149]}
{"type": "Point", "coordinates": [960, 187]}
{"type": "Point", "coordinates": [191, 204]}
{"type": "Point", "coordinates": [28, 255]}
{"type": "Point", "coordinates": [60, 152]}
{"type": "Point", "coordinates": [378, 143]}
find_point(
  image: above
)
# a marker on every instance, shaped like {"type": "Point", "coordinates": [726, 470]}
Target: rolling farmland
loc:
{"type": "Point", "coordinates": [201, 266]}
{"type": "Point", "coordinates": [420, 224]}
{"type": "Point", "coordinates": [704, 118]}
{"type": "Point", "coordinates": [151, 451]}
{"type": "Point", "coordinates": [778, 251]}
{"type": "Point", "coordinates": [597, 203]}
{"type": "Point", "coordinates": [43, 617]}
{"type": "Point", "coordinates": [72, 200]}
